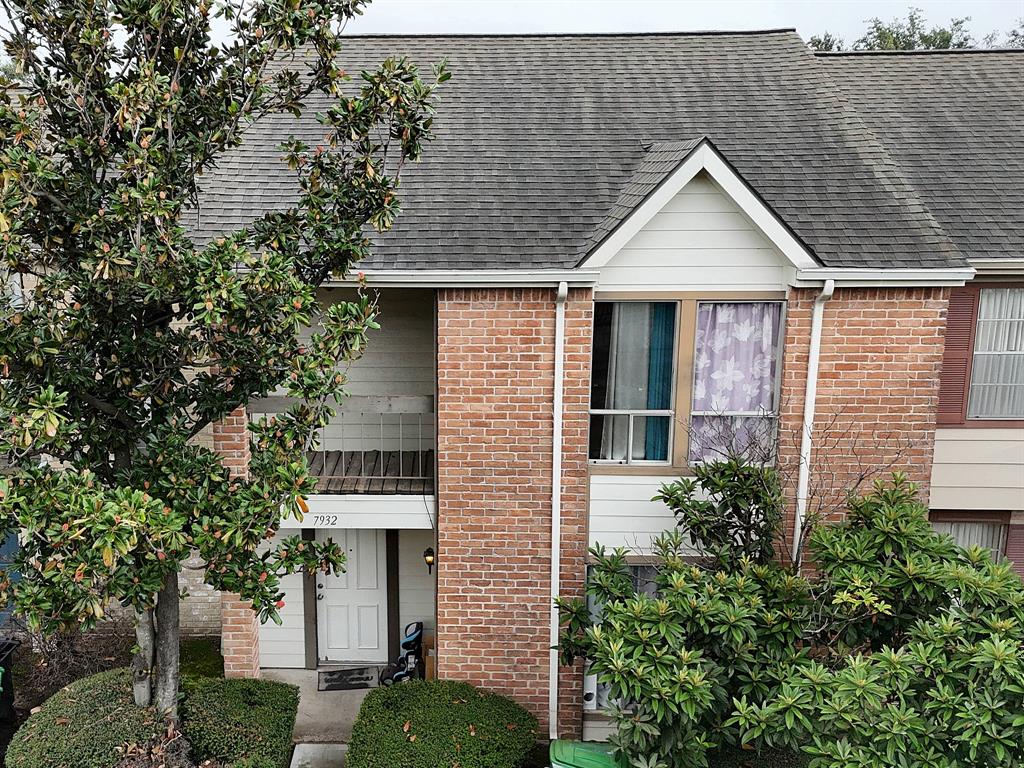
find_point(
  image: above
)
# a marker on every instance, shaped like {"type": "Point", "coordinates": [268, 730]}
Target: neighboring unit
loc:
{"type": "Point", "coordinates": [624, 255]}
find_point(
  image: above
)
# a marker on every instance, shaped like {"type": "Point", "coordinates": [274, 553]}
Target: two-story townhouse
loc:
{"type": "Point", "coordinates": [621, 252]}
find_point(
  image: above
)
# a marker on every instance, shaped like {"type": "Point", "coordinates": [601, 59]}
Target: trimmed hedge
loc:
{"type": "Point", "coordinates": [232, 720]}
{"type": "Point", "coordinates": [240, 723]}
{"type": "Point", "coordinates": [440, 724]}
{"type": "Point", "coordinates": [84, 725]}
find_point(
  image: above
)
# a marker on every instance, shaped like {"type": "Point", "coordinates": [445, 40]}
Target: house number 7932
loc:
{"type": "Point", "coordinates": [325, 521]}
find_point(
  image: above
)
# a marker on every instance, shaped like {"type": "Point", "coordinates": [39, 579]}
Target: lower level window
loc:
{"type": "Point", "coordinates": [595, 694]}
{"type": "Point", "coordinates": [989, 533]}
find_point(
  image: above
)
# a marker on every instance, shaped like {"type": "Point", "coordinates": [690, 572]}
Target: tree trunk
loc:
{"type": "Point", "coordinates": [142, 661]}
{"type": "Point", "coordinates": [167, 635]}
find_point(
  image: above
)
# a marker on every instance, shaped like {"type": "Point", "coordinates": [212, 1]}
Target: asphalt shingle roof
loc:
{"type": "Point", "coordinates": [544, 142]}
{"type": "Point", "coordinates": [955, 123]}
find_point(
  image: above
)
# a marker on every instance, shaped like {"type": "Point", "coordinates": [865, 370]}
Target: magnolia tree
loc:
{"type": "Point", "coordinates": [130, 338]}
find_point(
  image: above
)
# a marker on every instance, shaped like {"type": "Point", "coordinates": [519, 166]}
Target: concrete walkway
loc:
{"type": "Point", "coordinates": [319, 755]}
{"type": "Point", "coordinates": [325, 717]}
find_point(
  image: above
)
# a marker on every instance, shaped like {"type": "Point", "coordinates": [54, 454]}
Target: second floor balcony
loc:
{"type": "Point", "coordinates": [373, 445]}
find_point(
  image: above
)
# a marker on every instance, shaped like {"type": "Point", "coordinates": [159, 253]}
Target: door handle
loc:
{"type": "Point", "coordinates": [319, 597]}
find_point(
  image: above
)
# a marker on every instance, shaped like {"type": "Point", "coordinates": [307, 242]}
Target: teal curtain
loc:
{"type": "Point", "coordinates": [659, 379]}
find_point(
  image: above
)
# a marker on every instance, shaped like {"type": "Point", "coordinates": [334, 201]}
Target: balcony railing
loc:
{"type": "Point", "coordinates": [376, 445]}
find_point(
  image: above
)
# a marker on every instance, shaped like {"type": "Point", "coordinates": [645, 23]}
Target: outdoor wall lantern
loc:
{"type": "Point", "coordinates": [429, 558]}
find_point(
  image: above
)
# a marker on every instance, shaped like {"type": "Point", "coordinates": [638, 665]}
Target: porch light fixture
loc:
{"type": "Point", "coordinates": [429, 558]}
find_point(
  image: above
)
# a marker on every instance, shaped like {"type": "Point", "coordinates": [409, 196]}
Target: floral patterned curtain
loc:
{"type": "Point", "coordinates": [736, 370]}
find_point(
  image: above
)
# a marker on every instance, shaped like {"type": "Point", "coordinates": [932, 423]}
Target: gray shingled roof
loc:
{"type": "Point", "coordinates": [543, 143]}
{"type": "Point", "coordinates": [658, 161]}
{"type": "Point", "coordinates": [955, 123]}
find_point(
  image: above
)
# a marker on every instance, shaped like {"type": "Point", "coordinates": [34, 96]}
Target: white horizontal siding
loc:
{"type": "Point", "coordinates": [622, 513]}
{"type": "Point", "coordinates": [283, 646]}
{"type": "Point", "coordinates": [700, 241]}
{"type": "Point", "coordinates": [979, 469]}
{"type": "Point", "coordinates": [415, 586]}
{"type": "Point", "coordinates": [399, 358]}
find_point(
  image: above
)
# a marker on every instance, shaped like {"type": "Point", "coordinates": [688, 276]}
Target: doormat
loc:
{"type": "Point", "coordinates": [348, 678]}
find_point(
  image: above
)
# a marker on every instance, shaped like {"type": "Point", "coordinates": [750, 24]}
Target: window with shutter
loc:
{"type": "Point", "coordinates": [954, 383]}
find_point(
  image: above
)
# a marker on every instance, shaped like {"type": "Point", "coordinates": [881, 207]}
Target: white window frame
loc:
{"type": "Point", "coordinates": [772, 415]}
{"type": "Point", "coordinates": [632, 414]}
{"type": "Point", "coordinates": [978, 322]}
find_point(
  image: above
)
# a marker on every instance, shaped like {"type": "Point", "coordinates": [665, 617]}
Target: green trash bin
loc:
{"type": "Point", "coordinates": [582, 754]}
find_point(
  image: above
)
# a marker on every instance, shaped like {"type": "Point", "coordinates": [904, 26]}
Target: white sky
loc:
{"type": "Point", "coordinates": [845, 18]}
{"type": "Point", "coordinates": [842, 17]}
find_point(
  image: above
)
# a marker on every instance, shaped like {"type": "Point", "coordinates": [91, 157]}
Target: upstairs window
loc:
{"type": "Point", "coordinates": [997, 369]}
{"type": "Point", "coordinates": [982, 378]}
{"type": "Point", "coordinates": [736, 380]}
{"type": "Point", "coordinates": [631, 402]}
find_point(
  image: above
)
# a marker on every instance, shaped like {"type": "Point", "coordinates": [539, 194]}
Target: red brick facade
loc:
{"type": "Point", "coordinates": [240, 636]}
{"type": "Point", "coordinates": [880, 359]}
{"type": "Point", "coordinates": [495, 365]}
{"type": "Point", "coordinates": [881, 353]}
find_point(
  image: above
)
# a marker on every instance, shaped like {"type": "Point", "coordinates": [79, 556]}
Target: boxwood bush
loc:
{"type": "Point", "coordinates": [440, 724]}
{"type": "Point", "coordinates": [238, 723]}
{"type": "Point", "coordinates": [84, 725]}
{"type": "Point", "coordinates": [235, 720]}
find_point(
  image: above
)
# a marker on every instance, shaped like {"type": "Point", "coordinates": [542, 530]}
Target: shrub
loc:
{"type": "Point", "coordinates": [239, 723]}
{"type": "Point", "coordinates": [238, 720]}
{"type": "Point", "coordinates": [85, 725]}
{"type": "Point", "coordinates": [730, 509]}
{"type": "Point", "coordinates": [440, 724]}
{"type": "Point", "coordinates": [901, 650]}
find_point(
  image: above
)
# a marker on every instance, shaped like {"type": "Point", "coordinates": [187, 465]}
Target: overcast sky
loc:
{"type": "Point", "coordinates": [842, 17]}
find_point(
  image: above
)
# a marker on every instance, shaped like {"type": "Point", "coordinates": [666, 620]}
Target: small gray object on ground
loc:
{"type": "Point", "coordinates": [319, 755]}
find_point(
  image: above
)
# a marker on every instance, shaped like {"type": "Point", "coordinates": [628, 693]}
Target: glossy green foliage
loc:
{"type": "Point", "coordinates": [901, 649]}
{"type": "Point", "coordinates": [131, 338]}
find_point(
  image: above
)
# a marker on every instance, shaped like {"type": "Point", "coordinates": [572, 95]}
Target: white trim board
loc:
{"type": "Point", "coordinates": [469, 278]}
{"type": "Point", "coordinates": [704, 157]}
{"type": "Point", "coordinates": [366, 511]}
{"type": "Point", "coordinates": [852, 277]}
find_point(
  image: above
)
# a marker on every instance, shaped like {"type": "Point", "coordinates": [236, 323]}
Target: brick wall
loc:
{"type": "Point", "coordinates": [495, 361]}
{"type": "Point", "coordinates": [881, 354]}
{"type": "Point", "coordinates": [240, 637]}
{"type": "Point", "coordinates": [200, 609]}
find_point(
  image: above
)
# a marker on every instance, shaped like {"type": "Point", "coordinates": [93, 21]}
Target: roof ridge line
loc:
{"type": "Point", "coordinates": [921, 52]}
{"type": "Point", "coordinates": [659, 33]}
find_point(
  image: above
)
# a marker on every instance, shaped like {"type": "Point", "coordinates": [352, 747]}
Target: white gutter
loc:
{"type": "Point", "coordinates": [868, 278]}
{"type": "Point", "coordinates": [999, 267]}
{"type": "Point", "coordinates": [470, 278]}
{"type": "Point", "coordinates": [810, 396]}
{"type": "Point", "coordinates": [556, 505]}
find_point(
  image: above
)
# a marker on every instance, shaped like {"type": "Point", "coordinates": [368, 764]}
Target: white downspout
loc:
{"type": "Point", "coordinates": [556, 504]}
{"type": "Point", "coordinates": [810, 396]}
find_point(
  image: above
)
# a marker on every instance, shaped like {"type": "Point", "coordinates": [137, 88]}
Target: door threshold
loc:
{"type": "Point", "coordinates": [333, 666]}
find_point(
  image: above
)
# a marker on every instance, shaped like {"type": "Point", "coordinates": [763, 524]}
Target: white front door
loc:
{"type": "Point", "coordinates": [352, 613]}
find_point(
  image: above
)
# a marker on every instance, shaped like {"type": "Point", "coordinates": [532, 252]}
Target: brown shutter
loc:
{"type": "Point", "coordinates": [955, 381]}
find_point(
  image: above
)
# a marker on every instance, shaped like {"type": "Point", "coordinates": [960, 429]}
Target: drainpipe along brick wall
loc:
{"type": "Point", "coordinates": [881, 354]}
{"type": "Point", "coordinates": [495, 366]}
{"type": "Point", "coordinates": [240, 636]}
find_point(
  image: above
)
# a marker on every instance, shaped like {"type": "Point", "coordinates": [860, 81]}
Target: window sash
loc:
{"type": "Point", "coordinates": [769, 414]}
{"type": "Point", "coordinates": [632, 414]}
{"type": "Point", "coordinates": [997, 367]}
